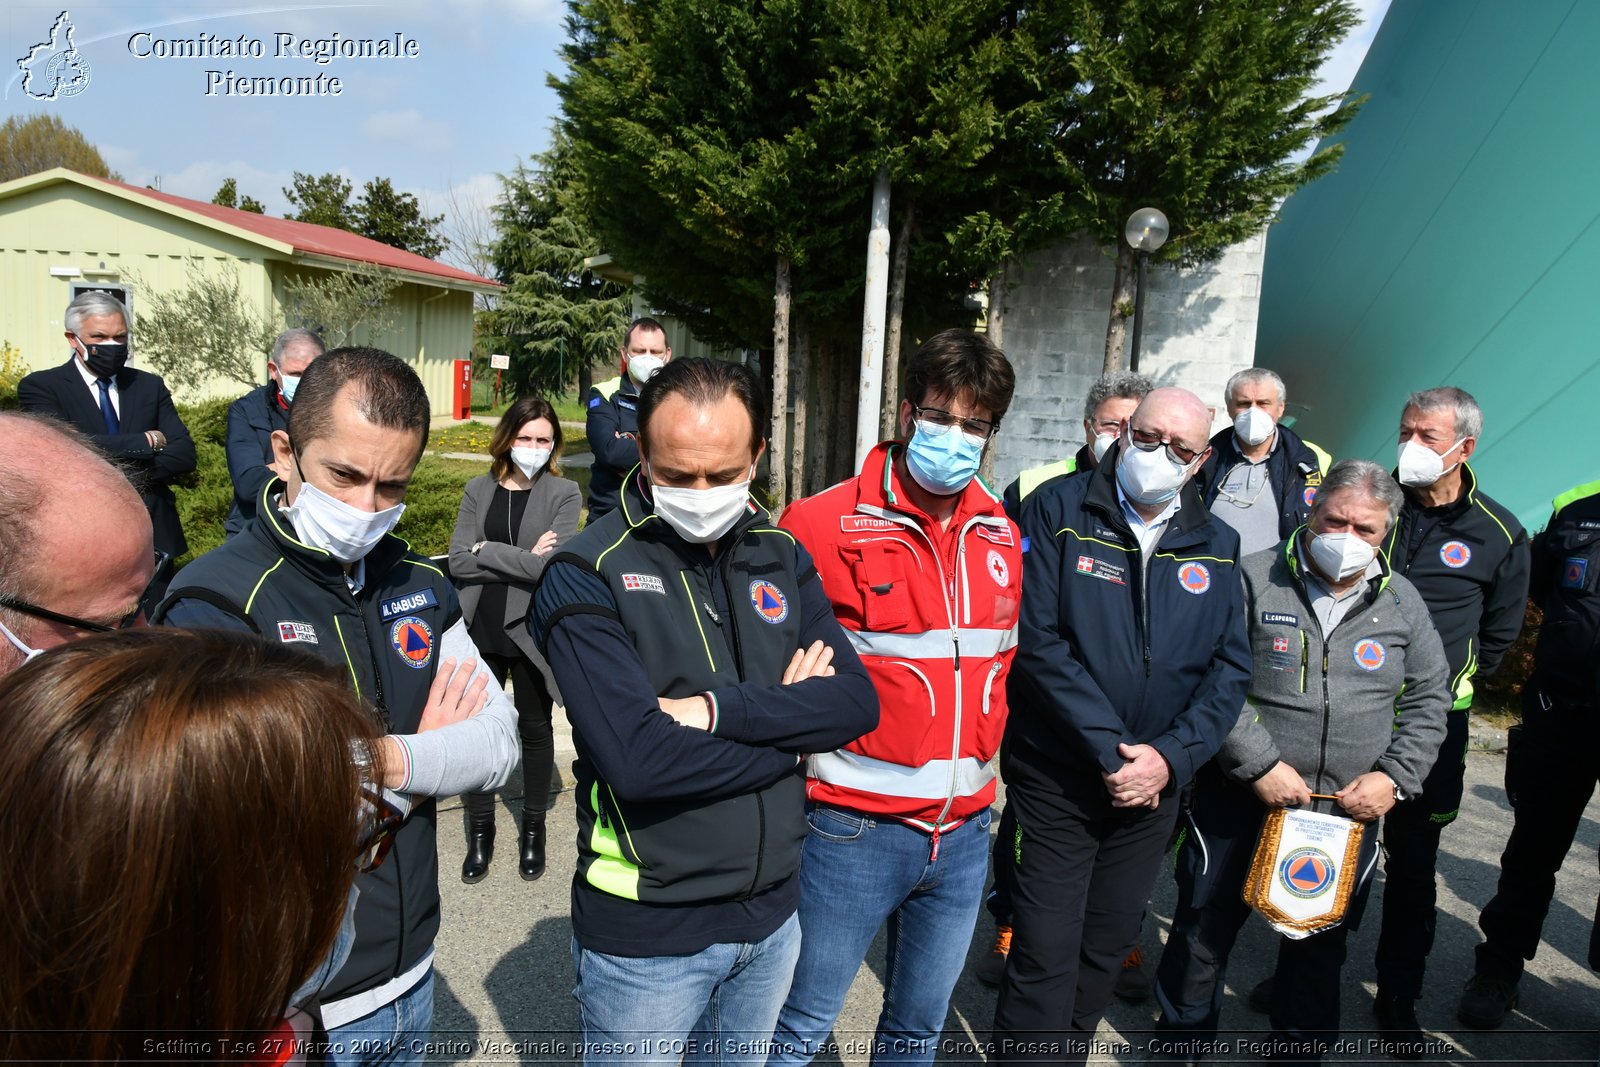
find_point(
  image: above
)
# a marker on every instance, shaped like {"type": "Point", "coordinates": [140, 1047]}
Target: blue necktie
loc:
{"type": "Point", "coordinates": [107, 410]}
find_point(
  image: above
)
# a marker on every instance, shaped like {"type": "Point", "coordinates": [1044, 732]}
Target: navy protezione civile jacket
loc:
{"type": "Point", "coordinates": [1114, 649]}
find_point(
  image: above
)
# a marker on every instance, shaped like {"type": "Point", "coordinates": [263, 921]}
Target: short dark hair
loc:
{"type": "Point", "coordinates": [704, 382]}
{"type": "Point", "coordinates": [648, 325]}
{"type": "Point", "coordinates": [388, 393]}
{"type": "Point", "coordinates": [959, 362]}
{"type": "Point", "coordinates": [518, 415]}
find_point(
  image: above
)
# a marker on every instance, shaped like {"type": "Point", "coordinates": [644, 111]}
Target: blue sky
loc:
{"type": "Point", "coordinates": [441, 125]}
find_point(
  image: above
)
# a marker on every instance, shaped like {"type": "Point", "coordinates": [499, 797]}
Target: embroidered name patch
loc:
{"type": "Point", "coordinates": [1194, 577]}
{"type": "Point", "coordinates": [1455, 554]}
{"type": "Point", "coordinates": [297, 631]}
{"type": "Point", "coordinates": [1279, 618]}
{"type": "Point", "coordinates": [864, 524]}
{"type": "Point", "coordinates": [1369, 655]}
{"type": "Point", "coordinates": [999, 535]}
{"type": "Point", "coordinates": [643, 583]}
{"type": "Point", "coordinates": [998, 569]}
{"type": "Point", "coordinates": [1573, 574]}
{"type": "Point", "coordinates": [406, 603]}
{"type": "Point", "coordinates": [769, 601]}
{"type": "Point", "coordinates": [412, 640]}
{"type": "Point", "coordinates": [1095, 567]}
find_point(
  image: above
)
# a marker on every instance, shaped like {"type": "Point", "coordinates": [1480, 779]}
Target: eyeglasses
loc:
{"type": "Point", "coordinates": [940, 422]}
{"type": "Point", "coordinates": [380, 820]}
{"type": "Point", "coordinates": [1149, 441]}
{"type": "Point", "coordinates": [161, 561]}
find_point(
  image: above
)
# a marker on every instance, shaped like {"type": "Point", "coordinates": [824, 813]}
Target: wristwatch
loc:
{"type": "Point", "coordinates": [1399, 794]}
{"type": "Point", "coordinates": [477, 546]}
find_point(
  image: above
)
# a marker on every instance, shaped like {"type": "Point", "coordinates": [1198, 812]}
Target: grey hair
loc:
{"type": "Point", "coordinates": [1252, 375]}
{"type": "Point", "coordinates": [1366, 477]}
{"type": "Point", "coordinates": [90, 304]}
{"type": "Point", "coordinates": [1469, 416]}
{"type": "Point", "coordinates": [1118, 385]}
{"type": "Point", "coordinates": [22, 500]}
{"type": "Point", "coordinates": [297, 335]}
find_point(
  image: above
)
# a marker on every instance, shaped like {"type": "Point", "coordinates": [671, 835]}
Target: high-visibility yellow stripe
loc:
{"type": "Point", "coordinates": [609, 872]}
{"type": "Point", "coordinates": [262, 581]}
{"type": "Point", "coordinates": [694, 609]}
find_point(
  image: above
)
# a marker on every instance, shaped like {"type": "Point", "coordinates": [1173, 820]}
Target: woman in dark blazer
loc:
{"type": "Point", "coordinates": [511, 521]}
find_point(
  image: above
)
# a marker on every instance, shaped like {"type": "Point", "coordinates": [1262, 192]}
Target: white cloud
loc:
{"type": "Point", "coordinates": [411, 128]}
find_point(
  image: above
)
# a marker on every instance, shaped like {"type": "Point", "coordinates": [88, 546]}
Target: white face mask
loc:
{"type": "Point", "coordinates": [642, 368]}
{"type": "Point", "coordinates": [702, 516]}
{"type": "Point", "coordinates": [1150, 478]}
{"type": "Point", "coordinates": [530, 461]}
{"type": "Point", "coordinates": [1341, 555]}
{"type": "Point", "coordinates": [27, 653]}
{"type": "Point", "coordinates": [1421, 466]}
{"type": "Point", "coordinates": [1253, 426]}
{"type": "Point", "coordinates": [1102, 445]}
{"type": "Point", "coordinates": [345, 533]}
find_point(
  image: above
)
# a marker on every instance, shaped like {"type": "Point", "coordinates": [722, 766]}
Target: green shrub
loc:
{"type": "Point", "coordinates": [206, 496]}
{"type": "Point", "coordinates": [12, 369]}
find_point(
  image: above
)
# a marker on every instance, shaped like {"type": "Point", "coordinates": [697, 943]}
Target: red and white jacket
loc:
{"type": "Point", "coordinates": [933, 614]}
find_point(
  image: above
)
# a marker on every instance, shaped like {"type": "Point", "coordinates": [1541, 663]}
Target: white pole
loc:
{"type": "Point", "coordinates": [869, 406]}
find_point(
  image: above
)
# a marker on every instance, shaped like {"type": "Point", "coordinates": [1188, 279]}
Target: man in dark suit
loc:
{"type": "Point", "coordinates": [127, 413]}
{"type": "Point", "coordinates": [253, 417]}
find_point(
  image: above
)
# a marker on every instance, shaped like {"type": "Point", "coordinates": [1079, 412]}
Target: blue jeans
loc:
{"type": "Point", "coordinates": [396, 1035]}
{"type": "Point", "coordinates": [855, 873]}
{"type": "Point", "coordinates": [715, 1006]}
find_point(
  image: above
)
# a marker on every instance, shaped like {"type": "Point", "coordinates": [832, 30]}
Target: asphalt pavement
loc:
{"type": "Point", "coordinates": [505, 972]}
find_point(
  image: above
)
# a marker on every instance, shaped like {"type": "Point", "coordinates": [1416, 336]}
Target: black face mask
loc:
{"type": "Point", "coordinates": [105, 360]}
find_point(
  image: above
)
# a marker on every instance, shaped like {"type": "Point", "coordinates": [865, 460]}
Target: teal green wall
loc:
{"type": "Point", "coordinates": [1457, 244]}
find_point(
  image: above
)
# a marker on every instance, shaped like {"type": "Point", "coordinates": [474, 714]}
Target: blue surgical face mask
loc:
{"type": "Point", "coordinates": [942, 459]}
{"type": "Point", "coordinates": [287, 384]}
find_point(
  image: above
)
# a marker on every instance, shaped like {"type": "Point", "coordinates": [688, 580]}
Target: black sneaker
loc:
{"type": "Point", "coordinates": [1485, 1001]}
{"type": "Point", "coordinates": [1260, 998]}
{"type": "Point", "coordinates": [1402, 1036]}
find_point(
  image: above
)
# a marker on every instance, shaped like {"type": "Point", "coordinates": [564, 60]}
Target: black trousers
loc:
{"type": "Point", "coordinates": [534, 706]}
{"type": "Point", "coordinates": [1225, 820]}
{"type": "Point", "coordinates": [1411, 834]}
{"type": "Point", "coordinates": [1082, 872]}
{"type": "Point", "coordinates": [1552, 774]}
{"type": "Point", "coordinates": [1005, 843]}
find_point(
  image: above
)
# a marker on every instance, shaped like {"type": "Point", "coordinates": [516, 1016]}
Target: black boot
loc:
{"type": "Point", "coordinates": [532, 863]}
{"type": "Point", "coordinates": [480, 850]}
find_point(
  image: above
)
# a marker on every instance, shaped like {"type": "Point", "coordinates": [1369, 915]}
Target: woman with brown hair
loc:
{"type": "Point", "coordinates": [182, 812]}
{"type": "Point", "coordinates": [511, 521]}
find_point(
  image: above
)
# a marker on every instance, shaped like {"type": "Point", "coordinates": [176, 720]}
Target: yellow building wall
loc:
{"type": "Point", "coordinates": [117, 242]}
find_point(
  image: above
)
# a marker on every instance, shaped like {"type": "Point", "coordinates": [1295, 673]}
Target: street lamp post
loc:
{"type": "Point", "coordinates": [1146, 231]}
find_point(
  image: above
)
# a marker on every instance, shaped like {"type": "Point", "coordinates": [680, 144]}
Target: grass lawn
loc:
{"type": "Point", "coordinates": [475, 437]}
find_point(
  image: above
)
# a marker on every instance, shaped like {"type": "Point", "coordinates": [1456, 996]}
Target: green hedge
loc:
{"type": "Point", "coordinates": [205, 496]}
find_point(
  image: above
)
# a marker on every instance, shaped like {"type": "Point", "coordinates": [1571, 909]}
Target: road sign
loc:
{"type": "Point", "coordinates": [499, 362]}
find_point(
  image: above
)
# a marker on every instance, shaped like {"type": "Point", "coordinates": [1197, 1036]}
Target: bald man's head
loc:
{"type": "Point", "coordinates": [74, 535]}
{"type": "Point", "coordinates": [1182, 415]}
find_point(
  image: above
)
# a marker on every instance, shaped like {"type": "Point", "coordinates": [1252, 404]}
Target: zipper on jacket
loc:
{"type": "Point", "coordinates": [1327, 713]}
{"type": "Point", "coordinates": [1304, 656]}
{"type": "Point", "coordinates": [988, 686]}
{"type": "Point", "coordinates": [761, 843]}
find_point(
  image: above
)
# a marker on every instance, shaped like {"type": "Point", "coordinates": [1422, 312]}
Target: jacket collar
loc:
{"type": "Point", "coordinates": [1468, 497]}
{"type": "Point", "coordinates": [878, 489]}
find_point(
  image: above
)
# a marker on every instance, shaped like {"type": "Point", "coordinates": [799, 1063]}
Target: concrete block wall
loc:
{"type": "Point", "coordinates": [1199, 328]}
